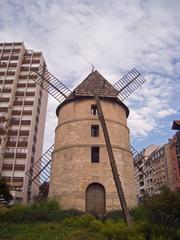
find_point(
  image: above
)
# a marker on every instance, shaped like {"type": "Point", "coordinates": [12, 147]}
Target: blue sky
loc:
{"type": "Point", "coordinates": [114, 35]}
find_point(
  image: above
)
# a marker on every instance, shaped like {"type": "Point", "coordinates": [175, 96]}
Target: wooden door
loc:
{"type": "Point", "coordinates": [95, 198]}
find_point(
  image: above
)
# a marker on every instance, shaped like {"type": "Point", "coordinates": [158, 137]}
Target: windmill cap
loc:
{"type": "Point", "coordinates": [94, 84]}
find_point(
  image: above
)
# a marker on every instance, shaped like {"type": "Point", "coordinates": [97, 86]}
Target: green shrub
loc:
{"type": "Point", "coordinates": [162, 214]}
{"type": "Point", "coordinates": [138, 213]}
{"type": "Point", "coordinates": [164, 208]}
{"type": "Point", "coordinates": [46, 211]}
{"type": "Point", "coordinates": [83, 221]}
{"type": "Point", "coordinates": [83, 234]}
{"type": "Point", "coordinates": [96, 226]}
{"type": "Point", "coordinates": [120, 231]}
{"type": "Point", "coordinates": [114, 215]}
{"type": "Point", "coordinates": [3, 209]}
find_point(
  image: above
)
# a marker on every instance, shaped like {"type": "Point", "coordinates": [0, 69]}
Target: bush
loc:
{"type": "Point", "coordinates": [79, 222]}
{"type": "Point", "coordinates": [14, 214]}
{"type": "Point", "coordinates": [164, 208]}
{"type": "Point", "coordinates": [138, 213]}
{"type": "Point", "coordinates": [82, 234]}
{"type": "Point", "coordinates": [45, 211]}
{"type": "Point", "coordinates": [120, 231]}
{"type": "Point", "coordinates": [3, 209]}
{"type": "Point", "coordinates": [162, 213]}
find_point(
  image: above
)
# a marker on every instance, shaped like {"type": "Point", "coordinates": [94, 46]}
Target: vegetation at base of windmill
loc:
{"type": "Point", "coordinates": [4, 190]}
{"type": "Point", "coordinates": [164, 208]}
{"type": "Point", "coordinates": [31, 231]}
{"type": "Point", "coordinates": [83, 234]}
{"type": "Point", "coordinates": [43, 192]}
{"type": "Point", "coordinates": [88, 226]}
{"type": "Point", "coordinates": [44, 211]}
{"type": "Point", "coordinates": [155, 219]}
{"type": "Point", "coordinates": [163, 213]}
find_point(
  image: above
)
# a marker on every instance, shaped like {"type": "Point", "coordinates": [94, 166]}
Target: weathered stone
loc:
{"type": "Point", "coordinates": [72, 170]}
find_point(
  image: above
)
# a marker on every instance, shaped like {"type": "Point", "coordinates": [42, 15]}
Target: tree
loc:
{"type": "Point", "coordinates": [44, 190]}
{"type": "Point", "coordinates": [163, 213]}
{"type": "Point", "coordinates": [4, 190]}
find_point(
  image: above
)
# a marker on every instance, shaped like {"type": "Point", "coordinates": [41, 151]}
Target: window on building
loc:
{"type": "Point", "coordinates": [141, 183]}
{"type": "Point", "coordinates": [94, 154]}
{"type": "Point", "coordinates": [94, 130]}
{"type": "Point", "coordinates": [94, 110]}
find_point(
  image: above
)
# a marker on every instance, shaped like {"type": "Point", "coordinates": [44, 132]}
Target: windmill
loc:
{"type": "Point", "coordinates": [97, 91]}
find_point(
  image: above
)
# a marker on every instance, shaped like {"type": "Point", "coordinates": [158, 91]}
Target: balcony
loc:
{"type": "Point", "coordinates": [30, 93]}
{"type": "Point", "coordinates": [10, 144]}
{"type": "Point", "coordinates": [18, 103]}
{"type": "Point", "coordinates": [25, 122]}
{"type": "Point", "coordinates": [9, 155]}
{"type": "Point", "coordinates": [31, 85]}
{"type": "Point", "coordinates": [3, 109]}
{"type": "Point", "coordinates": [18, 93]}
{"type": "Point", "coordinates": [14, 58]}
{"type": "Point", "coordinates": [24, 133]}
{"type": "Point", "coordinates": [6, 90]}
{"type": "Point", "coordinates": [20, 155]}
{"type": "Point", "coordinates": [21, 85]}
{"type": "Point", "coordinates": [28, 103]}
{"type": "Point", "coordinates": [4, 100]}
{"type": "Point", "coordinates": [8, 81]}
{"type": "Point", "coordinates": [22, 144]}
{"type": "Point", "coordinates": [27, 112]}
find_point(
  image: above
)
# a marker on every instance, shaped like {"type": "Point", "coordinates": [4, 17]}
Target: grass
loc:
{"type": "Point", "coordinates": [79, 228]}
{"type": "Point", "coordinates": [158, 218]}
{"type": "Point", "coordinates": [40, 231]}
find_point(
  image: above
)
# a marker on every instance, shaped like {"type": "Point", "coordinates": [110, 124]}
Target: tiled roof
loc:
{"type": "Point", "coordinates": [95, 83]}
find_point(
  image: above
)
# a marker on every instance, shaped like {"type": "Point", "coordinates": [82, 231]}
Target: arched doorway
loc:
{"type": "Point", "coordinates": [95, 198]}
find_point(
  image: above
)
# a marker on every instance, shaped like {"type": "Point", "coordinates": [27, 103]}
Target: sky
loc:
{"type": "Point", "coordinates": [115, 36]}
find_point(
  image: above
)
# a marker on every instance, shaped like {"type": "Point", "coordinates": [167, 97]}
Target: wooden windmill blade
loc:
{"type": "Point", "coordinates": [135, 154]}
{"type": "Point", "coordinates": [50, 83]}
{"type": "Point", "coordinates": [115, 173]}
{"type": "Point", "coordinates": [39, 172]}
{"type": "Point", "coordinates": [128, 84]}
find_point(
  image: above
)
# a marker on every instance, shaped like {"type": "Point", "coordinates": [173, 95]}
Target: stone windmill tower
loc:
{"type": "Point", "coordinates": [92, 147]}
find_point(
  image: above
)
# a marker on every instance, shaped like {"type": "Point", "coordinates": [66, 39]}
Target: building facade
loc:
{"type": "Point", "coordinates": [81, 175]}
{"type": "Point", "coordinates": [22, 113]}
{"type": "Point", "coordinates": [174, 143]}
{"type": "Point", "coordinates": [156, 171]}
{"type": "Point", "coordinates": [142, 170]}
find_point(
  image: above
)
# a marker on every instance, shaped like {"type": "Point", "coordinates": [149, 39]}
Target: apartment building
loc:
{"type": "Point", "coordinates": [158, 169]}
{"type": "Point", "coordinates": [141, 169]}
{"type": "Point", "coordinates": [174, 143]}
{"type": "Point", "coordinates": [22, 117]}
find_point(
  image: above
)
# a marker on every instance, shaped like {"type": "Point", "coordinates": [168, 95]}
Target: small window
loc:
{"type": "Point", "coordinates": [94, 110]}
{"type": "Point", "coordinates": [95, 154]}
{"type": "Point", "coordinates": [94, 130]}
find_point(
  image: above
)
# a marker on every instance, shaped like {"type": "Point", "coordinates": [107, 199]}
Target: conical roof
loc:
{"type": "Point", "coordinates": [95, 83]}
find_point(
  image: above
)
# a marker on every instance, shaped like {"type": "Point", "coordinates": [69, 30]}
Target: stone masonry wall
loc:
{"type": "Point", "coordinates": [72, 170]}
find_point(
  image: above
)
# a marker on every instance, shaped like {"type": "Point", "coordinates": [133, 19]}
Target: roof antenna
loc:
{"type": "Point", "coordinates": [93, 67]}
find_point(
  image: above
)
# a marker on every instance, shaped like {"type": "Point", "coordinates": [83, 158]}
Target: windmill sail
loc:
{"type": "Point", "coordinates": [40, 171]}
{"type": "Point", "coordinates": [128, 84]}
{"type": "Point", "coordinates": [136, 155]}
{"type": "Point", "coordinates": [50, 83]}
{"type": "Point", "coordinates": [113, 162]}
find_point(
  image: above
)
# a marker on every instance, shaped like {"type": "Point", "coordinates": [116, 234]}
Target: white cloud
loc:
{"type": "Point", "coordinates": [113, 35]}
